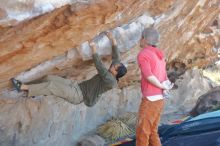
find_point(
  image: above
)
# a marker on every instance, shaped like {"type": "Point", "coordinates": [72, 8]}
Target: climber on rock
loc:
{"type": "Point", "coordinates": [88, 91]}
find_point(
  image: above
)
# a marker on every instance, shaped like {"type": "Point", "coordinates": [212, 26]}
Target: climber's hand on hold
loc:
{"type": "Point", "coordinates": [93, 47]}
{"type": "Point", "coordinates": [111, 38]}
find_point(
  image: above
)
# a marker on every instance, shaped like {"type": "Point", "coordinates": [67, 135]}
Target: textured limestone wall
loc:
{"type": "Point", "coordinates": [190, 31]}
{"type": "Point", "coordinates": [52, 121]}
{"type": "Point", "coordinates": [52, 34]}
{"type": "Point", "coordinates": [127, 37]}
{"type": "Point", "coordinates": [14, 11]}
{"type": "Point", "coordinates": [56, 43]}
{"type": "Point", "coordinates": [189, 27]}
{"type": "Point", "coordinates": [48, 120]}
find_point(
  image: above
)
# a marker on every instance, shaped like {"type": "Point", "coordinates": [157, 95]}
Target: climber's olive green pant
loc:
{"type": "Point", "coordinates": [55, 85]}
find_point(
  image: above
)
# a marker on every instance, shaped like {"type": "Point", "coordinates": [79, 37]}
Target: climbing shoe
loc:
{"type": "Point", "coordinates": [17, 84]}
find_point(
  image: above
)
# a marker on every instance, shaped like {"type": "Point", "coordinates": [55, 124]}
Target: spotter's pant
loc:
{"type": "Point", "coordinates": [60, 87]}
{"type": "Point", "coordinates": [148, 120]}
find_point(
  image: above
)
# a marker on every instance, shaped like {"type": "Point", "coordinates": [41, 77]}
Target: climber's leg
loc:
{"type": "Point", "coordinates": [71, 92]}
{"type": "Point", "coordinates": [56, 79]}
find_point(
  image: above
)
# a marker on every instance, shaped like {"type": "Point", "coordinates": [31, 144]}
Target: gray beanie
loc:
{"type": "Point", "coordinates": [151, 35]}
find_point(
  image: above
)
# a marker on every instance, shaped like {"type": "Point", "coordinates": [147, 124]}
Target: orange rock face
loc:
{"type": "Point", "coordinates": [42, 38]}
{"type": "Point", "coordinates": [184, 32]}
{"type": "Point", "coordinates": [34, 41]}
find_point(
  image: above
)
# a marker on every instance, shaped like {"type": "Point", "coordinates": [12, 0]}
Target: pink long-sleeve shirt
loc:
{"type": "Point", "coordinates": [151, 62]}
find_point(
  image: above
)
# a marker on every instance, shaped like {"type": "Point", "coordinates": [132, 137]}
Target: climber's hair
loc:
{"type": "Point", "coordinates": [122, 70]}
